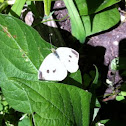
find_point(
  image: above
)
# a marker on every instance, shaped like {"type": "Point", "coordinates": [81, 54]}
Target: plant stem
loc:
{"type": "Point", "coordinates": [52, 20]}
{"type": "Point", "coordinates": [47, 6]}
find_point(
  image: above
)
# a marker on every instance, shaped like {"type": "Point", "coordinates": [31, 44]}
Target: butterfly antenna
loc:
{"type": "Point", "coordinates": [50, 39]}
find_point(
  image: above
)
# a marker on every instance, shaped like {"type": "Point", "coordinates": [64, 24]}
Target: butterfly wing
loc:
{"type": "Point", "coordinates": [52, 69]}
{"type": "Point", "coordinates": [69, 57]}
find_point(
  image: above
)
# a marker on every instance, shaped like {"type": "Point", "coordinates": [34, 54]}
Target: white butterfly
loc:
{"type": "Point", "coordinates": [56, 64]}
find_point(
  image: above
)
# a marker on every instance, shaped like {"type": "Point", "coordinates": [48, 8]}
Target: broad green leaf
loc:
{"type": "Point", "coordinates": [21, 49]}
{"type": "Point", "coordinates": [24, 46]}
{"type": "Point", "coordinates": [101, 21]}
{"type": "Point", "coordinates": [78, 30]}
{"type": "Point", "coordinates": [17, 8]}
{"type": "Point", "coordinates": [87, 7]}
{"type": "Point", "coordinates": [53, 104]}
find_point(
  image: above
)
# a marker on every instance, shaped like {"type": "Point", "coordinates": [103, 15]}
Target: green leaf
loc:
{"type": "Point", "coordinates": [120, 98]}
{"type": "Point", "coordinates": [96, 108]}
{"type": "Point", "coordinates": [102, 122]}
{"type": "Point", "coordinates": [53, 104]}
{"type": "Point", "coordinates": [95, 81]}
{"type": "Point", "coordinates": [115, 64]}
{"type": "Point", "coordinates": [78, 30]}
{"type": "Point", "coordinates": [3, 6]}
{"type": "Point", "coordinates": [17, 8]}
{"type": "Point", "coordinates": [87, 80]}
{"type": "Point", "coordinates": [123, 93]}
{"type": "Point", "coordinates": [24, 122]}
{"type": "Point", "coordinates": [87, 7]}
{"type": "Point", "coordinates": [1, 1]}
{"type": "Point", "coordinates": [74, 79]}
{"type": "Point", "coordinates": [4, 103]}
{"type": "Point", "coordinates": [1, 106]}
{"type": "Point", "coordinates": [95, 104]}
{"type": "Point", "coordinates": [22, 50]}
{"type": "Point", "coordinates": [91, 77]}
{"type": "Point", "coordinates": [101, 21]}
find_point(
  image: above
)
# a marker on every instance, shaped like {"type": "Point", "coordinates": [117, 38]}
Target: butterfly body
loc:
{"type": "Point", "coordinates": [57, 64]}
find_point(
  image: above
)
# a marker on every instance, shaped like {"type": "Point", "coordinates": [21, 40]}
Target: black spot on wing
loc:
{"type": "Point", "coordinates": [47, 71]}
{"type": "Point", "coordinates": [56, 54]}
{"type": "Point", "coordinates": [75, 53]}
{"type": "Point", "coordinates": [54, 71]}
{"type": "Point", "coordinates": [40, 76]}
{"type": "Point", "coordinates": [70, 56]}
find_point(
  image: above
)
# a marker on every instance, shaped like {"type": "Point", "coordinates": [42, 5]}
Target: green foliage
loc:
{"type": "Point", "coordinates": [1, 1]}
{"type": "Point", "coordinates": [115, 64]}
{"type": "Point", "coordinates": [25, 121]}
{"type": "Point", "coordinates": [88, 7]}
{"type": "Point", "coordinates": [8, 116]}
{"type": "Point", "coordinates": [121, 96]}
{"type": "Point", "coordinates": [22, 50]}
{"type": "Point", "coordinates": [102, 122]}
{"type": "Point", "coordinates": [119, 63]}
{"type": "Point", "coordinates": [78, 30]}
{"type": "Point", "coordinates": [89, 17]}
{"type": "Point", "coordinates": [91, 80]}
{"type": "Point", "coordinates": [101, 21]}
{"type": "Point", "coordinates": [17, 8]}
{"type": "Point", "coordinates": [64, 104]}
